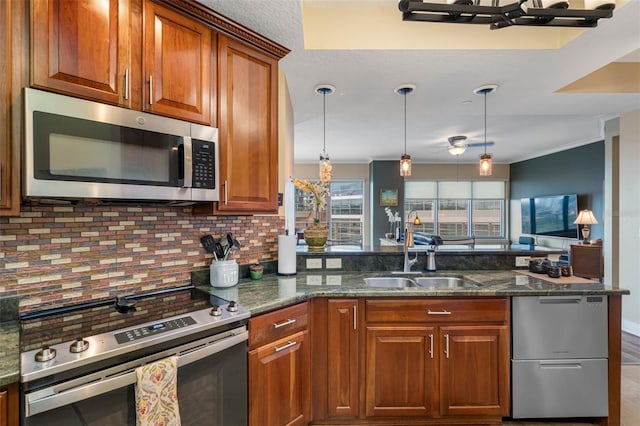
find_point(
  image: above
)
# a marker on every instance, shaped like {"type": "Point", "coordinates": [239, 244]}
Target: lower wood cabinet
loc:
{"type": "Point", "coordinates": [279, 370]}
{"type": "Point", "coordinates": [9, 405]}
{"type": "Point", "coordinates": [401, 371]}
{"type": "Point", "coordinates": [342, 358]}
{"type": "Point", "coordinates": [474, 370]}
{"type": "Point", "coordinates": [416, 360]}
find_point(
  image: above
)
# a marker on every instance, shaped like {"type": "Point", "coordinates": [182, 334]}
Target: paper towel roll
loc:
{"type": "Point", "coordinates": [287, 254]}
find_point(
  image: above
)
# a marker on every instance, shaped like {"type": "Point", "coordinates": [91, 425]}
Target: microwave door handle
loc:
{"type": "Point", "coordinates": [188, 162]}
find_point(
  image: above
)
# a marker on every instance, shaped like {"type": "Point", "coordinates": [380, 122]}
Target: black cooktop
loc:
{"type": "Point", "coordinates": [66, 323]}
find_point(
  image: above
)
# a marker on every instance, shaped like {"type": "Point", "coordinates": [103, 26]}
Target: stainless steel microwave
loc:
{"type": "Point", "coordinates": [81, 149]}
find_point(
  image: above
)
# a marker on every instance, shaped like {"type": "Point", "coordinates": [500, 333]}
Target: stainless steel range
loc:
{"type": "Point", "coordinates": [73, 375]}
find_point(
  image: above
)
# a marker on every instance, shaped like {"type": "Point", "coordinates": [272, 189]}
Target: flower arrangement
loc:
{"type": "Point", "coordinates": [318, 191]}
{"type": "Point", "coordinates": [394, 218]}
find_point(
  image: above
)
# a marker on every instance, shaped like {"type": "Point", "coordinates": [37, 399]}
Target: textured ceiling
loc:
{"type": "Point", "coordinates": [535, 111]}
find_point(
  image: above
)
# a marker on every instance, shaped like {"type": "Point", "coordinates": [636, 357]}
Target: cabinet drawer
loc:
{"type": "Point", "coordinates": [438, 310]}
{"type": "Point", "coordinates": [277, 324]}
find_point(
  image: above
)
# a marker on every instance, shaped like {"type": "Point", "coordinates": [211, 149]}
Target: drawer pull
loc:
{"type": "Point", "coordinates": [283, 323]}
{"type": "Point", "coordinates": [287, 346]}
{"type": "Point", "coordinates": [445, 312]}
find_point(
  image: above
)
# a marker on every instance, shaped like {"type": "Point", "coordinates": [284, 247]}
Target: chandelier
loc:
{"type": "Point", "coordinates": [497, 14]}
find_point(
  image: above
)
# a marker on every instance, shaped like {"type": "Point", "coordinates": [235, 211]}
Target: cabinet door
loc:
{"type": "Point", "coordinates": [279, 382]}
{"type": "Point", "coordinates": [4, 408]}
{"type": "Point", "coordinates": [12, 77]}
{"type": "Point", "coordinates": [81, 48]}
{"type": "Point", "coordinates": [177, 66]}
{"type": "Point", "coordinates": [342, 358]}
{"type": "Point", "coordinates": [401, 376]}
{"type": "Point", "coordinates": [248, 123]}
{"type": "Point", "coordinates": [474, 370]}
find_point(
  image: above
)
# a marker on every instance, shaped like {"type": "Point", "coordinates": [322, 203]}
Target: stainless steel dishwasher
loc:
{"type": "Point", "coordinates": [559, 357]}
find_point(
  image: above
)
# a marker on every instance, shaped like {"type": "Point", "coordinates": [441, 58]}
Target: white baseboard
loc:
{"type": "Point", "coordinates": [631, 327]}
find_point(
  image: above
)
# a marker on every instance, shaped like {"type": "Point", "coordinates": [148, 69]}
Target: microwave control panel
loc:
{"type": "Point", "coordinates": [204, 159]}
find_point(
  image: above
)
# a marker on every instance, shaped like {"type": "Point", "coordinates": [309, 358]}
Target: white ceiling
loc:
{"type": "Point", "coordinates": [365, 120]}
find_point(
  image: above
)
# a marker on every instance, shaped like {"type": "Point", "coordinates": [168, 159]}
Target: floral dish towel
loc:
{"type": "Point", "coordinates": [156, 393]}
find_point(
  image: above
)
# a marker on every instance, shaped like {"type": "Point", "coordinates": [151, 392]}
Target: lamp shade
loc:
{"type": "Point", "coordinates": [585, 217]}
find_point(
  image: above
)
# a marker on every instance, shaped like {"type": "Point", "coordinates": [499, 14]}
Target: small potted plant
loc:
{"type": "Point", "coordinates": [256, 270]}
{"type": "Point", "coordinates": [316, 233]}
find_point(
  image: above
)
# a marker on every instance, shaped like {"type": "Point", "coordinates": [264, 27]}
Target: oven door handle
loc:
{"type": "Point", "coordinates": [48, 399]}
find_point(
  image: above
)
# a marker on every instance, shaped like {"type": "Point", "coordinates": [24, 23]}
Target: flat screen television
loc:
{"type": "Point", "coordinates": [551, 215]}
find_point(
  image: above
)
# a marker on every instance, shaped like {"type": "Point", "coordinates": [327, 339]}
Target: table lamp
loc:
{"type": "Point", "coordinates": [585, 218]}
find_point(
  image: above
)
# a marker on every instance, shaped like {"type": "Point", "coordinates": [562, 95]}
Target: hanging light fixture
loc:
{"type": "Point", "coordinates": [485, 159]}
{"type": "Point", "coordinates": [405, 159]}
{"type": "Point", "coordinates": [325, 164]}
{"type": "Point", "coordinates": [503, 14]}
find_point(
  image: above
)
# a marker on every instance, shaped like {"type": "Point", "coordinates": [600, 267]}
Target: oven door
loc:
{"type": "Point", "coordinates": [212, 390]}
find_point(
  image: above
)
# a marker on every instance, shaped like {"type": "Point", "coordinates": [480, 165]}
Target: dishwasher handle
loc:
{"type": "Point", "coordinates": [49, 398]}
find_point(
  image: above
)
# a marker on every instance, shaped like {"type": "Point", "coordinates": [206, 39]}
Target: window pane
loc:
{"type": "Point", "coordinates": [425, 211]}
{"type": "Point", "coordinates": [417, 189]}
{"type": "Point", "coordinates": [344, 213]}
{"type": "Point", "coordinates": [453, 217]}
{"type": "Point", "coordinates": [487, 218]}
{"type": "Point", "coordinates": [454, 190]}
{"type": "Point", "coordinates": [489, 189]}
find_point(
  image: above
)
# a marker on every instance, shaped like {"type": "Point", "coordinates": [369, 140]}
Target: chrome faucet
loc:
{"type": "Point", "coordinates": [408, 242]}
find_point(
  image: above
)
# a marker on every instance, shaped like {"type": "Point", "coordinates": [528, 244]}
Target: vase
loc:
{"type": "Point", "coordinates": [316, 237]}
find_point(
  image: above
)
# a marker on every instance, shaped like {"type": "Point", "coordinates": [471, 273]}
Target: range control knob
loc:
{"type": "Point", "coordinates": [45, 354]}
{"type": "Point", "coordinates": [216, 311]}
{"type": "Point", "coordinates": [232, 306]}
{"type": "Point", "coordinates": [79, 345]}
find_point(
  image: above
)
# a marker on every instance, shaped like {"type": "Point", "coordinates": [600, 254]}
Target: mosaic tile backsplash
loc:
{"type": "Point", "coordinates": [53, 256]}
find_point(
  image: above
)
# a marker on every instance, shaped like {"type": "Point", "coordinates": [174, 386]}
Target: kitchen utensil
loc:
{"type": "Point", "coordinates": [208, 242]}
{"type": "Point", "coordinates": [219, 250]}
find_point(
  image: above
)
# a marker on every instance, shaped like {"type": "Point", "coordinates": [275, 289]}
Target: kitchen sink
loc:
{"type": "Point", "coordinates": [428, 282]}
{"type": "Point", "coordinates": [390, 282]}
{"type": "Point", "coordinates": [450, 282]}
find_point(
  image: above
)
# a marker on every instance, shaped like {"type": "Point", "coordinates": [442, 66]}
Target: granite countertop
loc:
{"type": "Point", "coordinates": [273, 291]}
{"type": "Point", "coordinates": [9, 352]}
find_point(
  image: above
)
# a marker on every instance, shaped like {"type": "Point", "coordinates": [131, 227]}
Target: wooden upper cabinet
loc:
{"type": "Point", "coordinates": [13, 76]}
{"type": "Point", "coordinates": [81, 47]}
{"type": "Point", "coordinates": [177, 65]}
{"type": "Point", "coordinates": [248, 105]}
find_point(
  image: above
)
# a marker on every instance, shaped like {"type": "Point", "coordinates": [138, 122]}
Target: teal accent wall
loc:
{"type": "Point", "coordinates": [575, 171]}
{"type": "Point", "coordinates": [383, 175]}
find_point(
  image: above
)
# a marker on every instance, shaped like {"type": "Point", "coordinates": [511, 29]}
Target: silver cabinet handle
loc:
{"type": "Point", "coordinates": [187, 181]}
{"type": "Point", "coordinates": [443, 312]}
{"type": "Point", "coordinates": [150, 90]}
{"type": "Point", "coordinates": [283, 323]}
{"type": "Point", "coordinates": [446, 345]}
{"type": "Point", "coordinates": [355, 316]}
{"type": "Point", "coordinates": [226, 192]}
{"type": "Point", "coordinates": [126, 83]}
{"type": "Point", "coordinates": [287, 346]}
{"type": "Point", "coordinates": [431, 346]}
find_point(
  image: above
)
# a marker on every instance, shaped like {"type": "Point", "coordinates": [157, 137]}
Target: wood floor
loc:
{"type": "Point", "coordinates": [630, 410]}
{"type": "Point", "coordinates": [630, 349]}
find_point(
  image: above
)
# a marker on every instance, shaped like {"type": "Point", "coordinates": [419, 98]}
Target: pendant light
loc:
{"type": "Point", "coordinates": [405, 159]}
{"type": "Point", "coordinates": [325, 165]}
{"type": "Point", "coordinates": [485, 159]}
